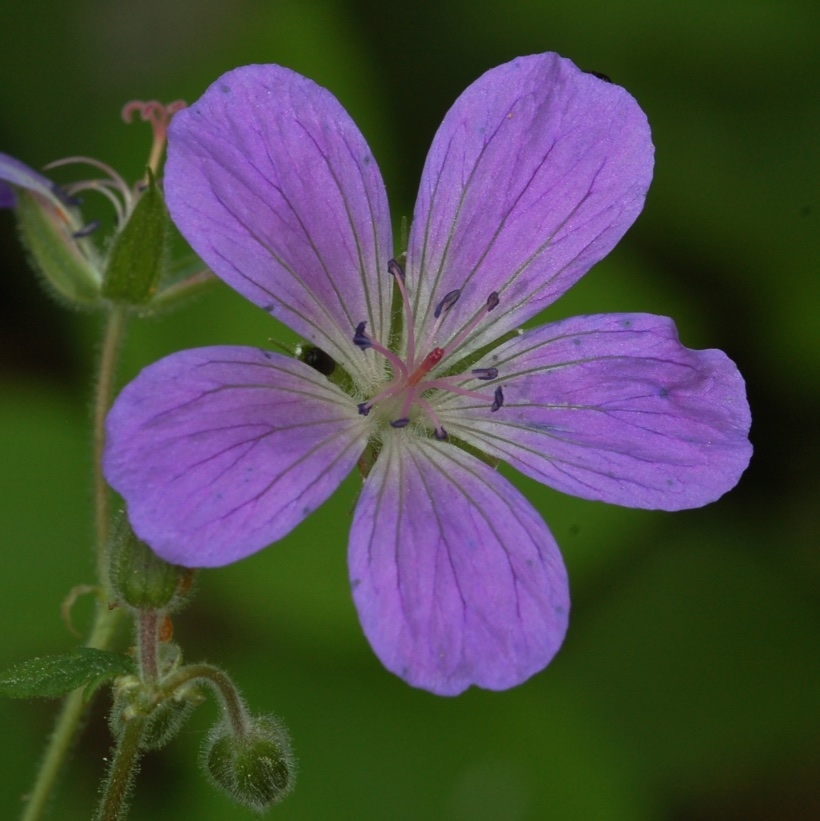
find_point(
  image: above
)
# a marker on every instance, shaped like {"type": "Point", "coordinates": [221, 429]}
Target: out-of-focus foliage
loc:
{"type": "Point", "coordinates": [687, 688]}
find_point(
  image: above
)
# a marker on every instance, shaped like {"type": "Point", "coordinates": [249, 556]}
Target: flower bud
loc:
{"type": "Point", "coordinates": [256, 769]}
{"type": "Point", "coordinates": [142, 580]}
{"type": "Point", "coordinates": [66, 260]}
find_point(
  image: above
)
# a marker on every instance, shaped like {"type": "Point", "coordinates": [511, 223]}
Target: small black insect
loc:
{"type": "Point", "coordinates": [601, 76]}
{"type": "Point", "coordinates": [317, 359]}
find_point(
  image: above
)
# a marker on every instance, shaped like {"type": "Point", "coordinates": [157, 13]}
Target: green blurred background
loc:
{"type": "Point", "coordinates": [689, 684]}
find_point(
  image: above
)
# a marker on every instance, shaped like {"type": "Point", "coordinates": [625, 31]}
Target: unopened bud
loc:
{"type": "Point", "coordinates": [256, 769]}
{"type": "Point", "coordinates": [60, 252]}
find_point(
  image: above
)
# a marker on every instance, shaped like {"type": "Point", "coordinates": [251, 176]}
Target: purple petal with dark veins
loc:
{"type": "Point", "coordinates": [221, 451]}
{"type": "Point", "coordinates": [613, 407]}
{"type": "Point", "coordinates": [456, 578]}
{"type": "Point", "coordinates": [275, 188]}
{"type": "Point", "coordinates": [535, 174]}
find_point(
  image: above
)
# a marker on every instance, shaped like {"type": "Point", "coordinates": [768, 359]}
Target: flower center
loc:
{"type": "Point", "coordinates": [403, 398]}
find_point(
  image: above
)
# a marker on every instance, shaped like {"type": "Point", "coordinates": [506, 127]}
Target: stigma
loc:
{"type": "Point", "coordinates": [414, 381]}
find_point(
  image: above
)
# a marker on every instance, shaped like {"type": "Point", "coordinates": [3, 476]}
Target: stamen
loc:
{"type": "Point", "coordinates": [498, 400]}
{"type": "Point", "coordinates": [438, 428]}
{"type": "Point", "coordinates": [105, 186]}
{"type": "Point", "coordinates": [450, 384]}
{"type": "Point", "coordinates": [394, 269]}
{"type": "Point", "coordinates": [397, 387]}
{"type": "Point", "coordinates": [86, 230]}
{"type": "Point", "coordinates": [449, 300]}
{"type": "Point", "coordinates": [397, 272]}
{"type": "Point", "coordinates": [492, 303]}
{"type": "Point", "coordinates": [64, 197]}
{"type": "Point", "coordinates": [360, 339]}
{"type": "Point", "coordinates": [440, 312]}
{"type": "Point", "coordinates": [485, 373]}
{"type": "Point", "coordinates": [400, 423]}
{"type": "Point", "coordinates": [106, 169]}
{"type": "Point", "coordinates": [364, 341]}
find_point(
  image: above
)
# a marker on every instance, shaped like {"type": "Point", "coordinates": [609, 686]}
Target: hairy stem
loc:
{"type": "Point", "coordinates": [147, 645]}
{"type": "Point", "coordinates": [124, 765]}
{"type": "Point", "coordinates": [68, 722]}
{"type": "Point", "coordinates": [114, 330]}
{"type": "Point", "coordinates": [229, 696]}
{"type": "Point", "coordinates": [105, 620]}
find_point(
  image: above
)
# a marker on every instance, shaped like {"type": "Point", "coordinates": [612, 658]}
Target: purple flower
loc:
{"type": "Point", "coordinates": [534, 175]}
{"type": "Point", "coordinates": [14, 172]}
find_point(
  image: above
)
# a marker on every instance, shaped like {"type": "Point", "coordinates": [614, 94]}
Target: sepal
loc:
{"type": "Point", "coordinates": [163, 717]}
{"type": "Point", "coordinates": [140, 579]}
{"type": "Point", "coordinates": [139, 253]}
{"type": "Point", "coordinates": [162, 707]}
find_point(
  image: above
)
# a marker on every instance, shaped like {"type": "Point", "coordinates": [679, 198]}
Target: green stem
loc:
{"type": "Point", "coordinates": [219, 682]}
{"type": "Point", "coordinates": [117, 786]}
{"type": "Point", "coordinates": [103, 396]}
{"type": "Point", "coordinates": [105, 619]}
{"type": "Point", "coordinates": [147, 645]}
{"type": "Point", "coordinates": [190, 286]}
{"type": "Point", "coordinates": [68, 721]}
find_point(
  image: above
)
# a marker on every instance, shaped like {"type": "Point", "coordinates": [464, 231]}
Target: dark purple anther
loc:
{"type": "Point", "coordinates": [360, 338]}
{"type": "Point", "coordinates": [400, 423]}
{"type": "Point", "coordinates": [394, 269]}
{"type": "Point", "coordinates": [364, 408]}
{"type": "Point", "coordinates": [440, 434]}
{"type": "Point", "coordinates": [492, 301]}
{"type": "Point", "coordinates": [484, 373]}
{"type": "Point", "coordinates": [449, 300]}
{"type": "Point", "coordinates": [64, 198]}
{"type": "Point", "coordinates": [86, 230]}
{"type": "Point", "coordinates": [498, 400]}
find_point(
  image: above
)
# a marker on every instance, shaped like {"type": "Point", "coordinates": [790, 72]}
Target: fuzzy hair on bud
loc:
{"type": "Point", "coordinates": [257, 769]}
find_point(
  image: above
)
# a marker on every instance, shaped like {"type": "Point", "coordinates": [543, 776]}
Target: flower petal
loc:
{"type": "Point", "coordinates": [456, 578]}
{"type": "Point", "coordinates": [536, 172]}
{"type": "Point", "coordinates": [7, 196]}
{"type": "Point", "coordinates": [14, 173]}
{"type": "Point", "coordinates": [221, 451]}
{"type": "Point", "coordinates": [275, 188]}
{"type": "Point", "coordinates": [613, 407]}
{"type": "Point", "coordinates": [19, 174]}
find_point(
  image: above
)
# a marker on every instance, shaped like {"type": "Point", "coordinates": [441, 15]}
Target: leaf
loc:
{"type": "Point", "coordinates": [53, 676]}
